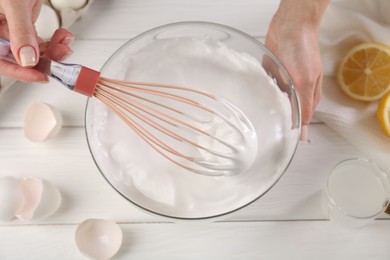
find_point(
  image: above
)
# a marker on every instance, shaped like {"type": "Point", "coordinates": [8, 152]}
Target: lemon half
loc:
{"type": "Point", "coordinates": [383, 114]}
{"type": "Point", "coordinates": [364, 72]}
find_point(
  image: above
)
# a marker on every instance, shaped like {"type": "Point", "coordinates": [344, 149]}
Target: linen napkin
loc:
{"type": "Point", "coordinates": [345, 24]}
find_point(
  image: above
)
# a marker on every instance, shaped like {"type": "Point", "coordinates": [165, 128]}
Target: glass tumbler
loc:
{"type": "Point", "coordinates": [357, 192]}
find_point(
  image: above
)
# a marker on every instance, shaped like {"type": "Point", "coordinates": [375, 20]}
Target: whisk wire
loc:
{"type": "Point", "coordinates": [159, 146]}
{"type": "Point", "coordinates": [135, 85]}
{"type": "Point", "coordinates": [139, 129]}
{"type": "Point", "coordinates": [126, 104]}
{"type": "Point", "coordinates": [147, 109]}
{"type": "Point", "coordinates": [129, 87]}
{"type": "Point", "coordinates": [109, 97]}
{"type": "Point", "coordinates": [125, 101]}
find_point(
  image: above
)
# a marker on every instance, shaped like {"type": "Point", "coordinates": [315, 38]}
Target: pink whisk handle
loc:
{"type": "Point", "coordinates": [74, 76]}
{"type": "Point", "coordinates": [86, 81]}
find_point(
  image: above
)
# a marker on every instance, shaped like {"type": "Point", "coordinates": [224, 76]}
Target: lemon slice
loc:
{"type": "Point", "coordinates": [383, 114]}
{"type": "Point", "coordinates": [364, 72]}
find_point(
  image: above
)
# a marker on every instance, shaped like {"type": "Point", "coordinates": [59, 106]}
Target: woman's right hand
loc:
{"type": "Point", "coordinates": [293, 37]}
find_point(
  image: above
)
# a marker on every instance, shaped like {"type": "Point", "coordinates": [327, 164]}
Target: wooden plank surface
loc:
{"type": "Point", "coordinates": [66, 162]}
{"type": "Point", "coordinates": [286, 223]}
{"type": "Point", "coordinates": [295, 240]}
{"type": "Point", "coordinates": [132, 17]}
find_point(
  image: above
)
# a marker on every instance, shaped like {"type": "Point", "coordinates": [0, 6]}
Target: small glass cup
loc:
{"type": "Point", "coordinates": [357, 192]}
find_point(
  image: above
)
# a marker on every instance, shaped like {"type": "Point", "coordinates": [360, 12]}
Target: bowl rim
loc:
{"type": "Point", "coordinates": [248, 37]}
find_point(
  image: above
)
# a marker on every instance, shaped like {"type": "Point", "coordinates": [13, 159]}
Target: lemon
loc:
{"type": "Point", "coordinates": [364, 72]}
{"type": "Point", "coordinates": [383, 114]}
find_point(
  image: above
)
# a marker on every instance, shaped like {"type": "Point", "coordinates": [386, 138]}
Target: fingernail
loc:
{"type": "Point", "coordinates": [304, 134]}
{"type": "Point", "coordinates": [45, 81]}
{"type": "Point", "coordinates": [27, 56]}
{"type": "Point", "coordinates": [68, 40]}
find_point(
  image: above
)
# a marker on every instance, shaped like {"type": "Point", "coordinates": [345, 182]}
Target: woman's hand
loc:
{"type": "Point", "coordinates": [17, 18]}
{"type": "Point", "coordinates": [293, 37]}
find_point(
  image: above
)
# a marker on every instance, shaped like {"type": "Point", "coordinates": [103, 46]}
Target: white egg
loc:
{"type": "Point", "coordinates": [64, 4]}
{"type": "Point", "coordinates": [47, 22]}
{"type": "Point", "coordinates": [11, 197]}
{"type": "Point", "coordinates": [98, 238]}
{"type": "Point", "coordinates": [41, 122]}
{"type": "Point", "coordinates": [41, 199]}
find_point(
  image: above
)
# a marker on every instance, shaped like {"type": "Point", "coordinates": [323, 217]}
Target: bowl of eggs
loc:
{"type": "Point", "coordinates": [216, 59]}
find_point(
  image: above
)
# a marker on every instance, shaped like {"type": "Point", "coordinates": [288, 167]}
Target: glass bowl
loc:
{"type": "Point", "coordinates": [221, 60]}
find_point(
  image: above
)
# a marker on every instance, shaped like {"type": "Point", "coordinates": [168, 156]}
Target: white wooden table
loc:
{"type": "Point", "coordinates": [287, 223]}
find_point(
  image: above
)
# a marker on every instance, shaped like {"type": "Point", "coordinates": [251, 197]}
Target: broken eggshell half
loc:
{"type": "Point", "coordinates": [98, 238]}
{"type": "Point", "coordinates": [11, 197]}
{"type": "Point", "coordinates": [41, 122]}
{"type": "Point", "coordinates": [27, 199]}
{"type": "Point", "coordinates": [41, 199]}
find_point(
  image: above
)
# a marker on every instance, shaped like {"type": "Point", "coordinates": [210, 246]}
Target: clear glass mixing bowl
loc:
{"type": "Point", "coordinates": [135, 172]}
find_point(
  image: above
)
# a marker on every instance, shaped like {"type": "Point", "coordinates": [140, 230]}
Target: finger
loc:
{"type": "Point", "coordinates": [304, 133]}
{"type": "Point", "coordinates": [36, 9]}
{"type": "Point", "coordinates": [316, 100]}
{"type": "Point", "coordinates": [4, 29]}
{"type": "Point", "coordinates": [307, 100]}
{"type": "Point", "coordinates": [62, 36]}
{"type": "Point", "coordinates": [58, 48]}
{"type": "Point", "coordinates": [43, 47]}
{"type": "Point", "coordinates": [58, 52]}
{"type": "Point", "coordinates": [317, 92]}
{"type": "Point", "coordinates": [53, 49]}
{"type": "Point", "coordinates": [14, 71]}
{"type": "Point", "coordinates": [23, 39]}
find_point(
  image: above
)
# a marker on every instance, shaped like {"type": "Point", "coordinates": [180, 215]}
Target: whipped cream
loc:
{"type": "Point", "coordinates": [153, 182]}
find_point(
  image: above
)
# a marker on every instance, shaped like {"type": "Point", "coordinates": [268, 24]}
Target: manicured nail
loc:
{"type": "Point", "coordinates": [68, 40]}
{"type": "Point", "coordinates": [45, 81]}
{"type": "Point", "coordinates": [27, 56]}
{"type": "Point", "coordinates": [305, 133]}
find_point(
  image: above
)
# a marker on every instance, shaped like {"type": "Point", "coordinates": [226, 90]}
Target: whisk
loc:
{"type": "Point", "coordinates": [193, 129]}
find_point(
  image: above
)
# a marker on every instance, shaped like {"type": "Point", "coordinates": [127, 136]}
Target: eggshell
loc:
{"type": "Point", "coordinates": [11, 197]}
{"type": "Point", "coordinates": [42, 199]}
{"type": "Point", "coordinates": [98, 238]}
{"type": "Point", "coordinates": [41, 122]}
{"type": "Point", "coordinates": [47, 22]}
{"type": "Point", "coordinates": [50, 201]}
{"type": "Point", "coordinates": [64, 4]}
{"type": "Point", "coordinates": [32, 190]}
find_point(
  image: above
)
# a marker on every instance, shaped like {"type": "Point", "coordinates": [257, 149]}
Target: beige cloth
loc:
{"type": "Point", "coordinates": [67, 17]}
{"type": "Point", "coordinates": [345, 24]}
